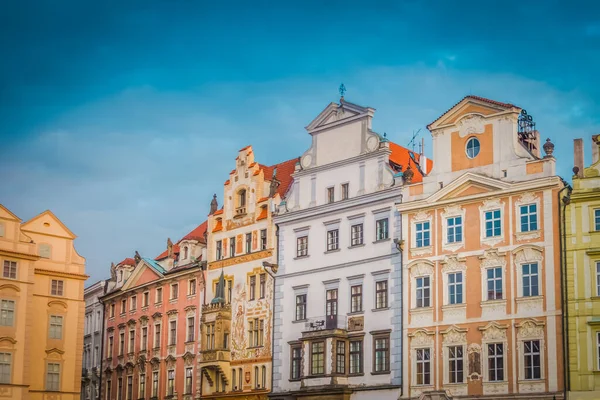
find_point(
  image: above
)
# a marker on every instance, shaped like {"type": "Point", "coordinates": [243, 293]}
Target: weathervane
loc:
{"type": "Point", "coordinates": [342, 90]}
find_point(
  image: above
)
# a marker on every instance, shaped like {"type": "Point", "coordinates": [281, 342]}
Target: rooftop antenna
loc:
{"type": "Point", "coordinates": [412, 140]}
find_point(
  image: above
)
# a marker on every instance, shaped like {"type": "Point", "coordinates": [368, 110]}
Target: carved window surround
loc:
{"type": "Point", "coordinates": [453, 312]}
{"type": "Point", "coordinates": [527, 254]}
{"type": "Point", "coordinates": [531, 329]}
{"type": "Point", "coordinates": [415, 251]}
{"type": "Point", "coordinates": [491, 309]}
{"type": "Point", "coordinates": [422, 339]}
{"type": "Point", "coordinates": [491, 205]}
{"type": "Point", "coordinates": [494, 333]}
{"type": "Point", "coordinates": [449, 212]}
{"type": "Point", "coordinates": [525, 199]}
{"type": "Point", "coordinates": [421, 316]}
{"type": "Point", "coordinates": [454, 336]}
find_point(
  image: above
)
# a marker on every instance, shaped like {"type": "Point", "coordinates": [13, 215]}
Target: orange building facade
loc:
{"type": "Point", "coordinates": [481, 261]}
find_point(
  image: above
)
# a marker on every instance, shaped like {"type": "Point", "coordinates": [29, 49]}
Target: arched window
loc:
{"type": "Point", "coordinates": [242, 198]}
{"type": "Point", "coordinates": [185, 253]}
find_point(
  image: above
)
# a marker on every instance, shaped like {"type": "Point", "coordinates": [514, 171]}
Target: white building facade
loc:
{"type": "Point", "coordinates": [91, 372]}
{"type": "Point", "coordinates": [337, 326]}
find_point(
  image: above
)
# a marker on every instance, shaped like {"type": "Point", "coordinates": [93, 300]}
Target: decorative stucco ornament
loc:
{"type": "Point", "coordinates": [549, 148]}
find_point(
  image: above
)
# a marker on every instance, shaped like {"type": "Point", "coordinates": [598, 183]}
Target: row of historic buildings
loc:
{"type": "Point", "coordinates": [362, 269]}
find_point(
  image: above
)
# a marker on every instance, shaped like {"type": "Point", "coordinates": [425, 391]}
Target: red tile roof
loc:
{"type": "Point", "coordinates": [494, 102]}
{"type": "Point", "coordinates": [402, 156]}
{"type": "Point", "coordinates": [127, 261]}
{"type": "Point", "coordinates": [284, 174]}
{"type": "Point", "coordinates": [196, 234]}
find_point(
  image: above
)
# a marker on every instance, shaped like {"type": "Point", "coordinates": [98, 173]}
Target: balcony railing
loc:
{"type": "Point", "coordinates": [326, 322]}
{"type": "Point", "coordinates": [215, 355]}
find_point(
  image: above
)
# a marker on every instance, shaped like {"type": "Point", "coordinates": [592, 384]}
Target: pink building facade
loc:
{"type": "Point", "coordinates": [151, 327]}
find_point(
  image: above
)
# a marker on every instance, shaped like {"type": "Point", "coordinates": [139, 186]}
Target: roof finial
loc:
{"type": "Point", "coordinates": [342, 90]}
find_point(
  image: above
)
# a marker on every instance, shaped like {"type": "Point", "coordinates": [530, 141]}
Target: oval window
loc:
{"type": "Point", "coordinates": [472, 148]}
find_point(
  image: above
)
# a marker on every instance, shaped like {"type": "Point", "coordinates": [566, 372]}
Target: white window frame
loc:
{"type": "Point", "coordinates": [455, 211]}
{"type": "Point", "coordinates": [527, 199]}
{"type": "Point", "coordinates": [8, 310]}
{"type": "Point", "coordinates": [447, 363]}
{"type": "Point", "coordinates": [357, 239]}
{"type": "Point", "coordinates": [59, 328]}
{"type": "Point", "coordinates": [431, 366]}
{"type": "Point", "coordinates": [527, 331]}
{"type": "Point", "coordinates": [6, 364]}
{"type": "Point", "coordinates": [597, 263]}
{"type": "Point", "coordinates": [596, 215]}
{"type": "Point", "coordinates": [530, 275]}
{"type": "Point", "coordinates": [490, 206]}
{"type": "Point", "coordinates": [455, 284]}
{"type": "Point", "coordinates": [502, 280]}
{"type": "Point", "coordinates": [48, 372]}
{"type": "Point", "coordinates": [333, 240]}
{"type": "Point", "coordinates": [422, 289]}
{"type": "Point", "coordinates": [301, 233]}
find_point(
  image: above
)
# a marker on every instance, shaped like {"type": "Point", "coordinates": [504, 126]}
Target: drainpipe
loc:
{"type": "Point", "coordinates": [274, 305]}
{"type": "Point", "coordinates": [562, 215]}
{"type": "Point", "coordinates": [102, 344]}
{"type": "Point", "coordinates": [399, 246]}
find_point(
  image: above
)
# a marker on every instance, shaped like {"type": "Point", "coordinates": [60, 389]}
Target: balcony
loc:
{"type": "Point", "coordinates": [216, 307]}
{"type": "Point", "coordinates": [325, 325]}
{"type": "Point", "coordinates": [240, 211]}
{"type": "Point", "coordinates": [215, 356]}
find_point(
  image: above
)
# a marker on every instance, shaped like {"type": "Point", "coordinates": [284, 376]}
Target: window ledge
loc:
{"type": "Point", "coordinates": [358, 374]}
{"type": "Point", "coordinates": [419, 251]}
{"type": "Point", "coordinates": [491, 303]}
{"type": "Point", "coordinates": [418, 310]}
{"type": "Point", "coordinates": [382, 240]}
{"type": "Point", "coordinates": [301, 257]}
{"type": "Point", "coordinates": [526, 299]}
{"type": "Point", "coordinates": [356, 313]}
{"type": "Point", "coordinates": [381, 373]}
{"type": "Point", "coordinates": [454, 306]}
{"type": "Point", "coordinates": [299, 321]}
{"type": "Point", "coordinates": [380, 309]}
{"type": "Point", "coordinates": [354, 246]}
{"type": "Point", "coordinates": [295, 379]}
{"type": "Point", "coordinates": [332, 251]}
{"type": "Point", "coordinates": [540, 380]}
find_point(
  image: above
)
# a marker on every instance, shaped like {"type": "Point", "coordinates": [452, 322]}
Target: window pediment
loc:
{"type": "Point", "coordinates": [420, 268]}
{"type": "Point", "coordinates": [493, 258]}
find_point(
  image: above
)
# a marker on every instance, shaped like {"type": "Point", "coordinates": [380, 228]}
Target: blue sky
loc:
{"type": "Point", "coordinates": [124, 119]}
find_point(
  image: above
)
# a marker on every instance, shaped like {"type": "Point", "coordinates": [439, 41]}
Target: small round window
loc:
{"type": "Point", "coordinates": [472, 148]}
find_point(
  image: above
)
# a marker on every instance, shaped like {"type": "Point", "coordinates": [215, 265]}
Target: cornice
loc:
{"type": "Point", "coordinates": [243, 258]}
{"type": "Point", "coordinates": [18, 254]}
{"type": "Point", "coordinates": [41, 271]}
{"type": "Point", "coordinates": [383, 151]}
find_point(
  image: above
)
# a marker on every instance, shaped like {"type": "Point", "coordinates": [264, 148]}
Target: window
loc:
{"type": "Point", "coordinates": [381, 358]}
{"type": "Point", "coordinates": [261, 331]}
{"type": "Point", "coordinates": [333, 241]}
{"type": "Point", "coordinates": [528, 218]}
{"type": "Point", "coordinates": [345, 191]}
{"type": "Point", "coordinates": [233, 379]}
{"type": "Point", "coordinates": [159, 292]}
{"type": "Point", "coordinates": [455, 288]}
{"type": "Point", "coordinates": [129, 387]}
{"type": "Point", "coordinates": [296, 367]}
{"type": "Point", "coordinates": [252, 287]}
{"type": "Point", "coordinates": [120, 389]}
{"type": "Point", "coordinates": [219, 250]}
{"type": "Point", "coordinates": [145, 299]}
{"type": "Point", "coordinates": [598, 278]}
{"type": "Point", "coordinates": [112, 310]}
{"type": "Point", "coordinates": [191, 287]}
{"type": "Point", "coordinates": [340, 357]}
{"type": "Point", "coordinates": [381, 229]}
{"type": "Point", "coordinates": [264, 376]}
{"type": "Point", "coordinates": [157, 336]}
{"type": "Point", "coordinates": [191, 326]}
{"type": "Point", "coordinates": [5, 367]}
{"type": "Point", "coordinates": [256, 385]}
{"type": "Point", "coordinates": [131, 347]}
{"type": "Point", "coordinates": [356, 355]}
{"type": "Point", "coordinates": [423, 291]}
{"type": "Point", "coordinates": [231, 246]}
{"type": "Point", "coordinates": [110, 347]}
{"type": "Point", "coordinates": [530, 280]}
{"type": "Point", "coordinates": [317, 358]}
{"type": "Point", "coordinates": [7, 312]}
{"type": "Point", "coordinates": [494, 283]}
{"type": "Point", "coordinates": [248, 242]}
{"type": "Point", "coordinates": [10, 269]}
{"type": "Point", "coordinates": [423, 234]}
{"type": "Point", "coordinates": [455, 361]}
{"type": "Point", "coordinates": [185, 252]}
{"type": "Point", "coordinates": [356, 234]}
{"type": "Point", "coordinates": [229, 288]}
{"type": "Point", "coordinates": [597, 219]}
{"type": "Point", "coordinates": [454, 230]}
{"type": "Point", "coordinates": [188, 380]}
{"type": "Point", "coordinates": [356, 298]}
{"type": "Point", "coordinates": [263, 239]}
{"type": "Point", "coordinates": [123, 306]}
{"type": "Point", "coordinates": [242, 198]}
{"type": "Point", "coordinates": [493, 225]}
{"type": "Point", "coordinates": [155, 384]}
{"type": "Point", "coordinates": [144, 343]}
{"type": "Point", "coordinates": [142, 393]}
{"type": "Point", "coordinates": [108, 389]}
{"type": "Point", "coordinates": [226, 340]}
{"type": "Point", "coordinates": [301, 307]}
{"type": "Point", "coordinates": [261, 287]}
{"type": "Point", "coordinates": [57, 288]}
{"type": "Point", "coordinates": [240, 379]}
{"type": "Point", "coordinates": [533, 369]}
{"type": "Point", "coordinates": [302, 246]}
{"type": "Point", "coordinates": [53, 377]}
{"type": "Point", "coordinates": [598, 347]}
{"type": "Point", "coordinates": [121, 343]}
{"type": "Point", "coordinates": [472, 147]}
{"type": "Point", "coordinates": [495, 362]}
{"type": "Point", "coordinates": [174, 291]}
{"type": "Point", "coordinates": [381, 294]}
{"type": "Point", "coordinates": [170, 382]}
{"type": "Point", "coordinates": [330, 195]}
{"type": "Point", "coordinates": [423, 366]}
{"type": "Point", "coordinates": [56, 327]}
{"type": "Point", "coordinates": [133, 304]}
{"type": "Point", "coordinates": [172, 332]}
{"type": "Point", "coordinates": [210, 336]}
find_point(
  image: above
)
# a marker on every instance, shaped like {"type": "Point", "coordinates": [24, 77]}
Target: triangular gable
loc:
{"type": "Point", "coordinates": [5, 213]}
{"type": "Point", "coordinates": [143, 273]}
{"type": "Point", "coordinates": [55, 227]}
{"type": "Point", "coordinates": [468, 183]}
{"type": "Point", "coordinates": [335, 114]}
{"type": "Point", "coordinates": [471, 105]}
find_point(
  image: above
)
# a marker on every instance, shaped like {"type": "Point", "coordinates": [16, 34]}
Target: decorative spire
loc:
{"type": "Point", "coordinates": [548, 148]}
{"type": "Point", "coordinates": [220, 293]}
{"type": "Point", "coordinates": [408, 175]}
{"type": "Point", "coordinates": [214, 205]}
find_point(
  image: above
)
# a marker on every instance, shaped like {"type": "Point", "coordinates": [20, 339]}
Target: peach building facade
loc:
{"type": "Point", "coordinates": [152, 313]}
{"type": "Point", "coordinates": [42, 308]}
{"type": "Point", "coordinates": [481, 261]}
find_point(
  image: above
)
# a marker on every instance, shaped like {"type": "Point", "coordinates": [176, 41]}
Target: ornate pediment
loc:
{"type": "Point", "coordinates": [157, 315]}
{"type": "Point", "coordinates": [131, 322]}
{"type": "Point", "coordinates": [492, 258]}
{"type": "Point", "coordinates": [454, 263]}
{"type": "Point", "coordinates": [421, 338]}
{"type": "Point", "coordinates": [494, 332]}
{"type": "Point", "coordinates": [420, 268]}
{"type": "Point", "coordinates": [454, 335]}
{"type": "Point", "coordinates": [530, 329]}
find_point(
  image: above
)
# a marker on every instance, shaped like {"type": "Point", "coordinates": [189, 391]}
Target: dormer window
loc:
{"type": "Point", "coordinates": [120, 275]}
{"type": "Point", "coordinates": [185, 253]}
{"type": "Point", "coordinates": [242, 198]}
{"type": "Point", "coordinates": [473, 147]}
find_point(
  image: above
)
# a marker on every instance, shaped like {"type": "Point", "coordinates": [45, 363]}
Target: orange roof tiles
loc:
{"type": "Point", "coordinates": [284, 174]}
{"type": "Point", "coordinates": [196, 234]}
{"type": "Point", "coordinates": [402, 156]}
{"type": "Point", "coordinates": [244, 148]}
{"type": "Point", "coordinates": [218, 212]}
{"type": "Point", "coordinates": [262, 199]}
{"type": "Point", "coordinates": [263, 213]}
{"type": "Point", "coordinates": [127, 261]}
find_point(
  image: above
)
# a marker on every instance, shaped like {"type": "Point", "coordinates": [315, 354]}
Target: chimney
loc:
{"type": "Point", "coordinates": [578, 157]}
{"type": "Point", "coordinates": [595, 148]}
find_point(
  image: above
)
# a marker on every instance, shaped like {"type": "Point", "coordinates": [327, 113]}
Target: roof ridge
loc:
{"type": "Point", "coordinates": [470, 96]}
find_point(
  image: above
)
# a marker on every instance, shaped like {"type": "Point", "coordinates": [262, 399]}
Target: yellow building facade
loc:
{"type": "Point", "coordinates": [582, 245]}
{"type": "Point", "coordinates": [41, 309]}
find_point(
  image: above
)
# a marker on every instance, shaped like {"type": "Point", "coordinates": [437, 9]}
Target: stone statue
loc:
{"type": "Point", "coordinates": [137, 257]}
{"type": "Point", "coordinates": [113, 272]}
{"type": "Point", "coordinates": [213, 205]}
